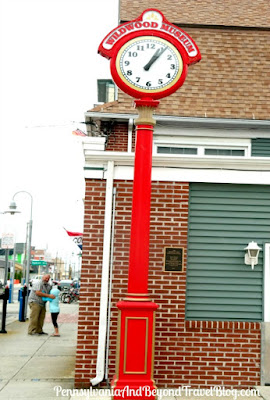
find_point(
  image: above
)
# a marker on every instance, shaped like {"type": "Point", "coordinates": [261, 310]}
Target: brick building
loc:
{"type": "Point", "coordinates": [210, 198]}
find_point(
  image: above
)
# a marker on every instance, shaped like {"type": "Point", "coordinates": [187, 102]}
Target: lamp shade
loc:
{"type": "Point", "coordinates": [253, 249]}
{"type": "Point", "coordinates": [12, 208]}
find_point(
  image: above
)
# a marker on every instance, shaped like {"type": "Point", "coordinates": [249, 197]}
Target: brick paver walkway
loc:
{"type": "Point", "coordinates": [65, 318]}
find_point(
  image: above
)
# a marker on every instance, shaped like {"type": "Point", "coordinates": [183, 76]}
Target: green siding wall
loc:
{"type": "Point", "coordinates": [223, 219]}
{"type": "Point", "coordinates": [260, 147]}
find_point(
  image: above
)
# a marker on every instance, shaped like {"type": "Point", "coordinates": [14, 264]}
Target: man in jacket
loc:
{"type": "Point", "coordinates": [37, 306]}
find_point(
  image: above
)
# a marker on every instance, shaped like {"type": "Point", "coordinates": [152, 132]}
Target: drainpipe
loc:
{"type": "Point", "coordinates": [104, 278]}
{"type": "Point", "coordinates": [130, 128]}
{"type": "Point", "coordinates": [110, 293]}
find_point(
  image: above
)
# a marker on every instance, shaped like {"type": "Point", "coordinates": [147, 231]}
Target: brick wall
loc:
{"type": "Point", "coordinates": [88, 319]}
{"type": "Point", "coordinates": [118, 140]}
{"type": "Point", "coordinates": [196, 353]}
{"type": "Point", "coordinates": [222, 353]}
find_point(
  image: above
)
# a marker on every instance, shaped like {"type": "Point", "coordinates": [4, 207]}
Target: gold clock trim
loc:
{"type": "Point", "coordinates": [144, 371]}
{"type": "Point", "coordinates": [118, 345]}
{"type": "Point", "coordinates": [139, 89]}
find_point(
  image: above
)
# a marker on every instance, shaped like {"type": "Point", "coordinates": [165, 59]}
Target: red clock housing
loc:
{"type": "Point", "coordinates": [150, 24]}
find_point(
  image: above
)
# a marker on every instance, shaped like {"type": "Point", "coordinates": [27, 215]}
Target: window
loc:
{"type": "Point", "coordinates": [189, 146]}
{"type": "Point", "coordinates": [224, 152]}
{"type": "Point", "coordinates": [106, 90]}
{"type": "Point", "coordinates": [176, 150]}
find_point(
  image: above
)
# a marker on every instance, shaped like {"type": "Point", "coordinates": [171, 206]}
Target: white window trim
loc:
{"type": "Point", "coordinates": [201, 144]}
{"type": "Point", "coordinates": [266, 282]}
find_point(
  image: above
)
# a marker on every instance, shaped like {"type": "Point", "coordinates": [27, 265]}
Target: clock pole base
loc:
{"type": "Point", "coordinates": [135, 353]}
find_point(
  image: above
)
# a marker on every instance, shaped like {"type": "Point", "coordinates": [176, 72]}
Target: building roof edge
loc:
{"type": "Point", "coordinates": [194, 121]}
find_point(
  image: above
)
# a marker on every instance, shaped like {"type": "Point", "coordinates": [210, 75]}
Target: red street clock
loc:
{"type": "Point", "coordinates": [149, 56]}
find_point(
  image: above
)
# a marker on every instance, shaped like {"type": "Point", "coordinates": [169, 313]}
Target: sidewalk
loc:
{"type": "Point", "coordinates": [32, 367]}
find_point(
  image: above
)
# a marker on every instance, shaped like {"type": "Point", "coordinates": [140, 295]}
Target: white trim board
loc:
{"type": "Point", "coordinates": [189, 175]}
{"type": "Point", "coordinates": [267, 282]}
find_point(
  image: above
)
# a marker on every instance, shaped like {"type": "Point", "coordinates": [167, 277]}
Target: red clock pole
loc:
{"type": "Point", "coordinates": [135, 354]}
{"type": "Point", "coordinates": [128, 51]}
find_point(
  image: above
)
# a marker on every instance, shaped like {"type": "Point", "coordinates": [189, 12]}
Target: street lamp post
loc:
{"type": "Point", "coordinates": [12, 210]}
{"type": "Point", "coordinates": [12, 275]}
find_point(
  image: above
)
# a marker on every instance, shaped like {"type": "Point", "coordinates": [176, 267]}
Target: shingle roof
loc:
{"type": "Point", "coordinates": [209, 12]}
{"type": "Point", "coordinates": [232, 80]}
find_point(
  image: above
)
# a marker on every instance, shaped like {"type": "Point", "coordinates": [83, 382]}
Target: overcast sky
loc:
{"type": "Point", "coordinates": [49, 72]}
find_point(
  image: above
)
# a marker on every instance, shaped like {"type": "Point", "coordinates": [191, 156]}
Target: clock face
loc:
{"type": "Point", "coordinates": [149, 64]}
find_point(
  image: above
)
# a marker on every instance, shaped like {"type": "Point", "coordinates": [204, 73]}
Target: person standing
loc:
{"type": "Point", "coordinates": [54, 309]}
{"type": "Point", "coordinates": [37, 306]}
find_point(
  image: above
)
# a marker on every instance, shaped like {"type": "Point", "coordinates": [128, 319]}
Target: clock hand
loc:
{"type": "Point", "coordinates": [155, 56]}
{"type": "Point", "coordinates": [152, 59]}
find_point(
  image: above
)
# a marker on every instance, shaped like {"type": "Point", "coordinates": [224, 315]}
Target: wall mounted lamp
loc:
{"type": "Point", "coordinates": [252, 253]}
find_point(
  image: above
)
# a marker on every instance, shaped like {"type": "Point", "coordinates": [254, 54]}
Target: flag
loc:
{"type": "Point", "coordinates": [78, 132]}
{"type": "Point", "coordinates": [77, 238]}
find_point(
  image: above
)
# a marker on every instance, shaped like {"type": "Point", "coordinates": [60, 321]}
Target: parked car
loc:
{"type": "Point", "coordinates": [65, 283]}
{"type": "Point", "coordinates": [69, 283]}
{"type": "Point", "coordinates": [76, 284]}
{"type": "Point", "coordinates": [36, 278]}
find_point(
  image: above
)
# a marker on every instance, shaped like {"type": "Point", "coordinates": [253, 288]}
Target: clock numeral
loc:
{"type": "Point", "coordinates": [168, 75]}
{"type": "Point", "coordinates": [160, 81]}
{"type": "Point", "coordinates": [129, 72]}
{"type": "Point", "coordinates": [132, 54]}
{"type": "Point", "coordinates": [138, 79]}
{"type": "Point", "coordinates": [148, 83]}
{"type": "Point", "coordinates": [151, 46]}
{"type": "Point", "coordinates": [169, 57]}
{"type": "Point", "coordinates": [127, 63]}
{"type": "Point", "coordinates": [172, 66]}
{"type": "Point", "coordinates": [140, 48]}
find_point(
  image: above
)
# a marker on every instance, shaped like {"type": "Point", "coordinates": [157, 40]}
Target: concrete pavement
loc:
{"type": "Point", "coordinates": [42, 367]}
{"type": "Point", "coordinates": [31, 366]}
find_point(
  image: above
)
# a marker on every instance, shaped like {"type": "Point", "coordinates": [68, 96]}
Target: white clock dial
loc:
{"type": "Point", "coordinates": [149, 64]}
